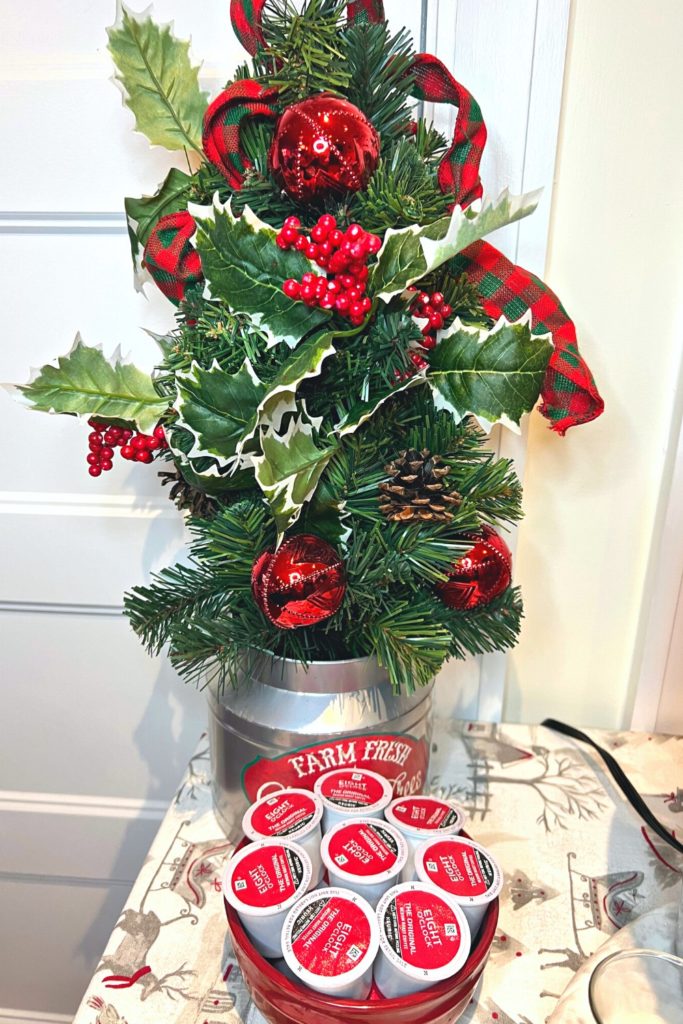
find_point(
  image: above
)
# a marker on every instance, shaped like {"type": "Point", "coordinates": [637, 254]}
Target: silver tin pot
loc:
{"type": "Point", "coordinates": [284, 725]}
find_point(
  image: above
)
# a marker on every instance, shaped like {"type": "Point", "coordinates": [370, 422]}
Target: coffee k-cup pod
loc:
{"type": "Point", "coordinates": [463, 869]}
{"type": "Point", "coordinates": [423, 817]}
{"type": "Point", "coordinates": [330, 940]}
{"type": "Point", "coordinates": [424, 938]}
{"type": "Point", "coordinates": [293, 814]}
{"type": "Point", "coordinates": [348, 793]}
{"type": "Point", "coordinates": [366, 855]}
{"type": "Point", "coordinates": [261, 882]}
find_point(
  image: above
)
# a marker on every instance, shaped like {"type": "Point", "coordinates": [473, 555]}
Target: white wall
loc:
{"type": "Point", "coordinates": [588, 546]}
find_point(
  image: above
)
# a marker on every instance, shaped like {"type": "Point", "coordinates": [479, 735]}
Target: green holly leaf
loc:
{"type": "Point", "coordinates": [85, 383]}
{"type": "Point", "coordinates": [409, 253]}
{"type": "Point", "coordinates": [289, 469]}
{"type": "Point", "coordinates": [245, 268]}
{"type": "Point", "coordinates": [204, 473]}
{"type": "Point", "coordinates": [160, 85]}
{"type": "Point", "coordinates": [494, 374]}
{"type": "Point", "coordinates": [143, 214]}
{"type": "Point", "coordinates": [220, 410]}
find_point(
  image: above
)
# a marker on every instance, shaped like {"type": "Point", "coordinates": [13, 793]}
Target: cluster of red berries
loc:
{"type": "Point", "coordinates": [344, 254]}
{"type": "Point", "coordinates": [135, 447]}
{"type": "Point", "coordinates": [435, 310]}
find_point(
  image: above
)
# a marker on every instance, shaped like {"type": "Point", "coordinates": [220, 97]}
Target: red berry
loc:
{"type": "Point", "coordinates": [106, 452]}
{"type": "Point", "coordinates": [436, 321]}
{"type": "Point", "coordinates": [291, 288]}
{"type": "Point", "coordinates": [138, 441]}
{"type": "Point", "coordinates": [326, 249]}
{"type": "Point", "coordinates": [153, 443]}
{"type": "Point", "coordinates": [373, 244]}
{"type": "Point", "coordinates": [342, 302]}
{"type": "Point", "coordinates": [357, 251]}
{"type": "Point", "coordinates": [446, 311]}
{"type": "Point", "coordinates": [94, 470]}
{"type": "Point", "coordinates": [354, 294]}
{"type": "Point", "coordinates": [336, 237]}
{"type": "Point", "coordinates": [356, 269]}
{"type": "Point", "coordinates": [417, 360]}
{"type": "Point", "coordinates": [309, 278]}
{"type": "Point", "coordinates": [327, 222]}
{"type": "Point", "coordinates": [354, 232]}
{"type": "Point", "coordinates": [159, 432]}
{"type": "Point", "coordinates": [127, 434]}
{"type": "Point", "coordinates": [333, 286]}
{"type": "Point", "coordinates": [318, 234]}
{"type": "Point", "coordinates": [92, 459]}
{"type": "Point", "coordinates": [437, 300]}
{"type": "Point", "coordinates": [366, 303]}
{"type": "Point", "coordinates": [308, 293]}
{"type": "Point", "coordinates": [142, 455]}
{"type": "Point", "coordinates": [311, 251]}
{"type": "Point", "coordinates": [95, 424]}
{"type": "Point", "coordinates": [347, 280]}
{"type": "Point", "coordinates": [428, 341]}
{"type": "Point", "coordinates": [320, 287]}
{"type": "Point", "coordinates": [322, 261]}
{"type": "Point", "coordinates": [363, 274]}
{"type": "Point", "coordinates": [423, 299]}
{"type": "Point", "coordinates": [301, 243]}
{"type": "Point", "coordinates": [426, 330]}
{"type": "Point", "coordinates": [95, 439]}
{"type": "Point", "coordinates": [290, 235]}
{"type": "Point", "coordinates": [128, 452]}
{"type": "Point", "coordinates": [338, 263]}
{"type": "Point", "coordinates": [356, 311]}
{"type": "Point", "coordinates": [327, 301]}
{"type": "Point", "coordinates": [281, 241]}
{"type": "Point", "coordinates": [106, 465]}
{"type": "Point", "coordinates": [292, 222]}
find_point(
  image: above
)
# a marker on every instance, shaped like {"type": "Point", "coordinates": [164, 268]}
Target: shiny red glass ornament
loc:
{"type": "Point", "coordinates": [321, 146]}
{"type": "Point", "coordinates": [301, 584]}
{"type": "Point", "coordinates": [480, 575]}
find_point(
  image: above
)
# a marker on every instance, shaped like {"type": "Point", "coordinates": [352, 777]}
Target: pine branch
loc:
{"type": "Point", "coordinates": [411, 640]}
{"type": "Point", "coordinates": [304, 53]}
{"type": "Point", "coordinates": [403, 191]}
{"type": "Point", "coordinates": [380, 81]}
{"type": "Point", "coordinates": [494, 627]}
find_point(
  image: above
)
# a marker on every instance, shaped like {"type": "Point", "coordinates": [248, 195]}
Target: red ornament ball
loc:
{"type": "Point", "coordinates": [480, 575]}
{"type": "Point", "coordinates": [321, 146]}
{"type": "Point", "coordinates": [301, 584]}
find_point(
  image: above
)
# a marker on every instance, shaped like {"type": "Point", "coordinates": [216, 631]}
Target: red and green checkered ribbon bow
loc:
{"type": "Point", "coordinates": [170, 257]}
{"type": "Point", "coordinates": [246, 16]}
{"type": "Point", "coordinates": [569, 395]}
{"type": "Point", "coordinates": [222, 121]}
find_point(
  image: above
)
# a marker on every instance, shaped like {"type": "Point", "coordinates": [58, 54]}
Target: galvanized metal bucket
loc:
{"type": "Point", "coordinates": [284, 725]}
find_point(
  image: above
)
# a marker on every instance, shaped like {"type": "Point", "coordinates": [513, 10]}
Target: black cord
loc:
{"type": "Point", "coordinates": [621, 779]}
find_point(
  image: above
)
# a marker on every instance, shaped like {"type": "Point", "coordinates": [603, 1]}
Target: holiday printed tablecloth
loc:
{"type": "Point", "coordinates": [578, 865]}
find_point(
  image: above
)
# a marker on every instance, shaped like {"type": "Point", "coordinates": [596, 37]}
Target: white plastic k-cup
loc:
{"type": "Point", "coordinates": [423, 817]}
{"type": "Point", "coordinates": [366, 855]}
{"type": "Point", "coordinates": [348, 793]}
{"type": "Point", "coordinates": [293, 814]}
{"type": "Point", "coordinates": [261, 882]}
{"type": "Point", "coordinates": [464, 870]}
{"type": "Point", "coordinates": [330, 940]}
{"type": "Point", "coordinates": [423, 938]}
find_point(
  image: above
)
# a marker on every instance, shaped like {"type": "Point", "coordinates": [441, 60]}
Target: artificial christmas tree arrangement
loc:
{"type": "Point", "coordinates": [344, 340]}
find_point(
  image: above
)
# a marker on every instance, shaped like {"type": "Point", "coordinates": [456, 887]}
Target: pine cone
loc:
{"type": "Point", "coordinates": [185, 496]}
{"type": "Point", "coordinates": [417, 490]}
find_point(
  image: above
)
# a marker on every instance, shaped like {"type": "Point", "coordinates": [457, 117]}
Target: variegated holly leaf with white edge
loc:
{"type": "Point", "coordinates": [159, 83]}
{"type": "Point", "coordinates": [245, 268]}
{"type": "Point", "coordinates": [290, 467]}
{"type": "Point", "coordinates": [220, 410]}
{"type": "Point", "coordinates": [409, 253]}
{"type": "Point", "coordinates": [493, 374]}
{"type": "Point", "coordinates": [85, 383]}
{"type": "Point", "coordinates": [367, 406]}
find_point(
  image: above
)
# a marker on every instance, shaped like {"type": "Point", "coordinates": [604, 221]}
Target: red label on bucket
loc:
{"type": "Point", "coordinates": [362, 849]}
{"type": "Point", "coordinates": [330, 936]}
{"type": "Point", "coordinates": [352, 789]}
{"type": "Point", "coordinates": [431, 815]}
{"type": "Point", "coordinates": [283, 814]}
{"type": "Point", "coordinates": [422, 929]}
{"type": "Point", "coordinates": [458, 868]}
{"type": "Point", "coordinates": [267, 876]}
{"type": "Point", "coordinates": [399, 758]}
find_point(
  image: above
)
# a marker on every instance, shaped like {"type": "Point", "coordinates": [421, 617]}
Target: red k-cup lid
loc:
{"type": "Point", "coordinates": [460, 867]}
{"type": "Point", "coordinates": [354, 789]}
{"type": "Point", "coordinates": [289, 812]}
{"type": "Point", "coordinates": [366, 850]}
{"type": "Point", "coordinates": [424, 815]}
{"type": "Point", "coordinates": [266, 877]}
{"type": "Point", "coordinates": [422, 931]}
{"type": "Point", "coordinates": [330, 934]}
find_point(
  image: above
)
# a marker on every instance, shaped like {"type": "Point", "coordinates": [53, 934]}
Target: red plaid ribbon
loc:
{"type": "Point", "coordinates": [569, 395]}
{"type": "Point", "coordinates": [170, 257]}
{"type": "Point", "coordinates": [246, 17]}
{"type": "Point", "coordinates": [222, 121]}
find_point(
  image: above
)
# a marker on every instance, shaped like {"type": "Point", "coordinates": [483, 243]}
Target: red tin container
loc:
{"type": "Point", "coordinates": [282, 1001]}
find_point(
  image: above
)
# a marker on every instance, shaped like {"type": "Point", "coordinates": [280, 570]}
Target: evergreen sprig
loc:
{"type": "Point", "coordinates": [380, 79]}
{"type": "Point", "coordinates": [403, 191]}
{"type": "Point", "coordinates": [304, 53]}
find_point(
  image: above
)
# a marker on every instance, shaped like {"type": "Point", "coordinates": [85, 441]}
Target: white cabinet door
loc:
{"type": "Point", "coordinates": [92, 730]}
